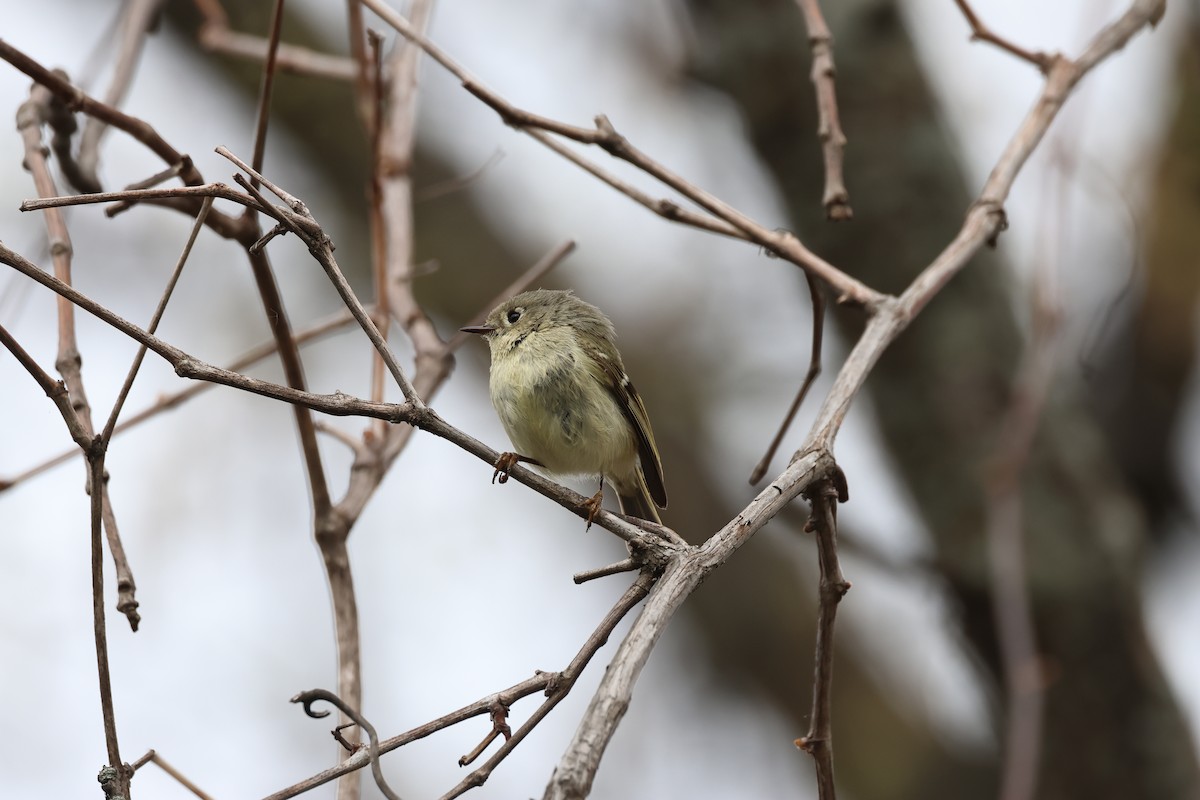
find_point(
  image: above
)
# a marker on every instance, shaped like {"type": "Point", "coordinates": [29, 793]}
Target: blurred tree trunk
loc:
{"type": "Point", "coordinates": [1112, 728]}
{"type": "Point", "coordinates": [1142, 379]}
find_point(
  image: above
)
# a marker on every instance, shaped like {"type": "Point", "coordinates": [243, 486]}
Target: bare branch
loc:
{"type": "Point", "coordinates": [129, 196]}
{"type": "Point", "coordinates": [664, 208]}
{"type": "Point", "coordinates": [576, 770]}
{"type": "Point", "coordinates": [824, 496]}
{"type": "Point", "coordinates": [684, 572]}
{"type": "Point", "coordinates": [153, 757]}
{"type": "Point", "coordinates": [362, 65]}
{"type": "Point", "coordinates": [604, 135]}
{"type": "Point", "coordinates": [556, 685]}
{"type": "Point", "coordinates": [981, 32]}
{"type": "Point", "coordinates": [137, 18]}
{"type": "Point", "coordinates": [170, 401]}
{"type": "Point", "coordinates": [624, 565]}
{"type": "Point", "coordinates": [107, 433]}
{"type": "Point", "coordinates": [392, 217]}
{"type": "Point", "coordinates": [339, 404]}
{"type": "Point", "coordinates": [288, 58]}
{"type": "Point", "coordinates": [55, 390]}
{"type": "Point", "coordinates": [97, 478]}
{"type": "Point", "coordinates": [985, 220]}
{"type": "Point", "coordinates": [829, 126]}
{"type": "Point", "coordinates": [321, 248]}
{"type": "Point", "coordinates": [1012, 610]}
{"type": "Point", "coordinates": [68, 362]}
{"type": "Point", "coordinates": [78, 99]}
{"type": "Point", "coordinates": [313, 695]}
{"type": "Point", "coordinates": [268, 83]}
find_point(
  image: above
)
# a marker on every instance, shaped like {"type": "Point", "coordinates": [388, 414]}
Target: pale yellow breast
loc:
{"type": "Point", "coordinates": [550, 397]}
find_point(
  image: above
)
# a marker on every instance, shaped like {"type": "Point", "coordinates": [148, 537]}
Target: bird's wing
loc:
{"type": "Point", "coordinates": [631, 405]}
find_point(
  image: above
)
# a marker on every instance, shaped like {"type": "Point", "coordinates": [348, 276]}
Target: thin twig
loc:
{"type": "Point", "coordinates": [558, 689]}
{"type": "Point", "coordinates": [452, 185]}
{"type": "Point", "coordinates": [137, 18]}
{"type": "Point", "coordinates": [95, 456]}
{"type": "Point", "coordinates": [134, 195]}
{"type": "Point", "coordinates": [982, 33]}
{"type": "Point", "coordinates": [115, 773]}
{"type": "Point", "coordinates": [80, 100]}
{"type": "Point", "coordinates": [169, 401]}
{"type": "Point", "coordinates": [576, 769]}
{"type": "Point", "coordinates": [68, 362]}
{"type": "Point", "coordinates": [829, 125]}
{"type": "Point", "coordinates": [814, 370]}
{"type": "Point", "coordinates": [624, 565]}
{"type": "Point", "coordinates": [313, 695]}
{"type": "Point", "coordinates": [55, 390]}
{"type": "Point", "coordinates": [153, 757]}
{"type": "Point", "coordinates": [376, 113]}
{"type": "Point", "coordinates": [289, 58]}
{"type": "Point", "coordinates": [556, 685]}
{"type": "Point", "coordinates": [392, 217]}
{"type": "Point", "coordinates": [824, 497]}
{"type": "Point", "coordinates": [605, 136]}
{"type": "Point", "coordinates": [500, 727]}
{"type": "Point", "coordinates": [321, 248]}
{"type": "Point", "coordinates": [293, 370]}
{"type": "Point", "coordinates": [529, 277]}
{"type": "Point", "coordinates": [1012, 610]}
{"type": "Point", "coordinates": [262, 116]}
{"type": "Point", "coordinates": [360, 758]}
{"type": "Point", "coordinates": [682, 574]}
{"type": "Point", "coordinates": [362, 65]}
{"type": "Point", "coordinates": [666, 209]}
{"type": "Point", "coordinates": [140, 130]}
{"type": "Point", "coordinates": [119, 403]}
{"type": "Point", "coordinates": [985, 220]}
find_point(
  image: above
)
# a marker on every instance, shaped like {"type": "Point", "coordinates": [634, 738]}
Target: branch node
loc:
{"type": "Point", "coordinates": [625, 565]}
{"type": "Point", "coordinates": [346, 744]}
{"type": "Point", "coordinates": [554, 681]}
{"type": "Point", "coordinates": [278, 230]}
{"type": "Point", "coordinates": [499, 715]}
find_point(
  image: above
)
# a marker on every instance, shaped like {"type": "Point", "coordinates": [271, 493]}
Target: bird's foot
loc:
{"type": "Point", "coordinates": [593, 505]}
{"type": "Point", "coordinates": [503, 464]}
{"type": "Point", "coordinates": [506, 461]}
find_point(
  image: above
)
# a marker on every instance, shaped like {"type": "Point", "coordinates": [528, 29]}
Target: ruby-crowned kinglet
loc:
{"type": "Point", "coordinates": [561, 391]}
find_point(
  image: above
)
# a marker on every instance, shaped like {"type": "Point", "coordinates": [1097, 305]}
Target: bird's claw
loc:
{"type": "Point", "coordinates": [503, 464]}
{"type": "Point", "coordinates": [593, 505]}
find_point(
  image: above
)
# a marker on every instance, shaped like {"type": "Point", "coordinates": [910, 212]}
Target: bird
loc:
{"type": "Point", "coordinates": [559, 386]}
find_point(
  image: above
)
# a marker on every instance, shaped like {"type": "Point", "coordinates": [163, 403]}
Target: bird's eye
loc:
{"type": "Point", "coordinates": [514, 315]}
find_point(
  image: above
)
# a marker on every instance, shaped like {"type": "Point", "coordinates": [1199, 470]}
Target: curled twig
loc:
{"type": "Point", "coordinates": [317, 695]}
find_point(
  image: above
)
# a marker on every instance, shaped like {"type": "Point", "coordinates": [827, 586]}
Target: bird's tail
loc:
{"type": "Point", "coordinates": [635, 499]}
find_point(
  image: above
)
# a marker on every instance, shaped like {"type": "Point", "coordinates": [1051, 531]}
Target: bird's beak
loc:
{"type": "Point", "coordinates": [482, 330]}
